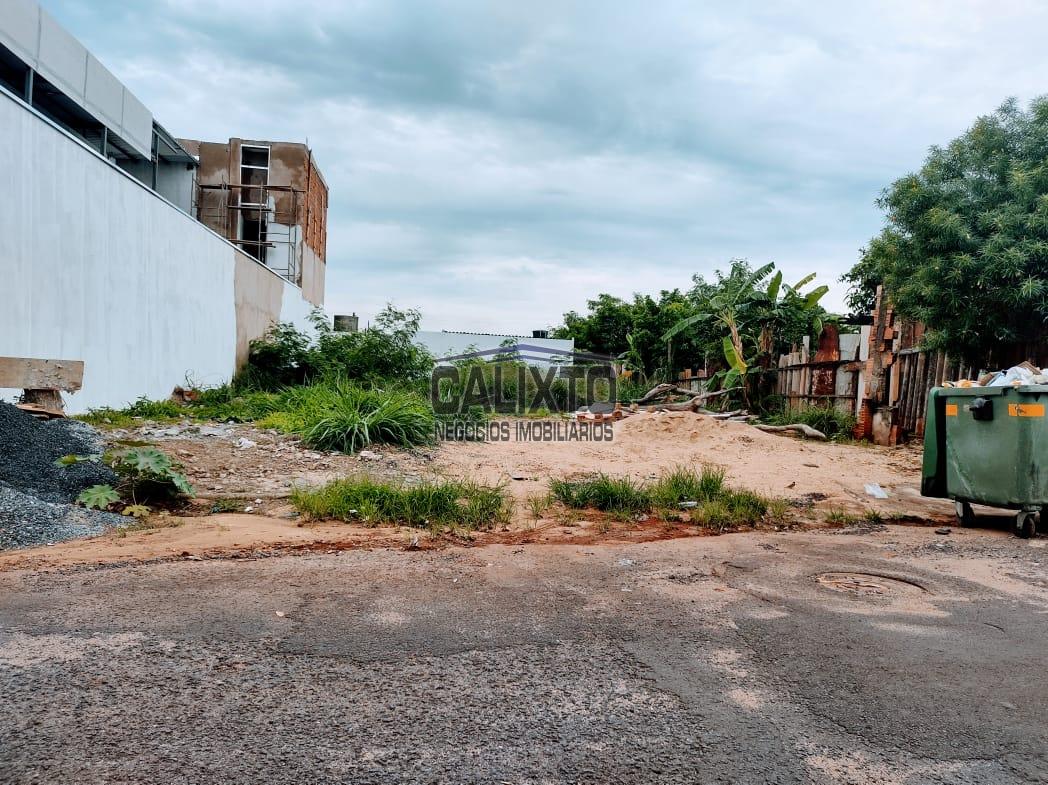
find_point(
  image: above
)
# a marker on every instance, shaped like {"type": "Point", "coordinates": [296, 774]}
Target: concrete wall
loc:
{"type": "Point", "coordinates": [176, 183]}
{"type": "Point", "coordinates": [449, 344]}
{"type": "Point", "coordinates": [98, 268]}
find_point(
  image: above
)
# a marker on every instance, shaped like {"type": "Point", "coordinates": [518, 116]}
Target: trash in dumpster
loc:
{"type": "Point", "coordinates": [1018, 375]}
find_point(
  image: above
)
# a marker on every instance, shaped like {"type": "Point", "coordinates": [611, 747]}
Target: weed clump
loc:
{"type": "Point", "coordinates": [704, 493]}
{"type": "Point", "coordinates": [426, 505]}
{"type": "Point", "coordinates": [608, 494]}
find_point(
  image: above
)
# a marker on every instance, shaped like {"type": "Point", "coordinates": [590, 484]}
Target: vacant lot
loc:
{"type": "Point", "coordinates": [238, 469]}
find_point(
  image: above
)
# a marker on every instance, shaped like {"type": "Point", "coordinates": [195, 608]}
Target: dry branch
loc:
{"type": "Point", "coordinates": [664, 389]}
{"type": "Point", "coordinates": [805, 430]}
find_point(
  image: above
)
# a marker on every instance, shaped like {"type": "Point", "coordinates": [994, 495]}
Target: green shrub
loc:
{"type": "Point", "coordinates": [427, 505]}
{"type": "Point", "coordinates": [145, 474]}
{"type": "Point", "coordinates": [386, 351]}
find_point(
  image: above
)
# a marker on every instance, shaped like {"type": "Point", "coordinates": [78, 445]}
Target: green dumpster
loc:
{"type": "Point", "coordinates": [989, 445]}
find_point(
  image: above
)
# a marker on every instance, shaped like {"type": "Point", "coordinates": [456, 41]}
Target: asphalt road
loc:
{"type": "Point", "coordinates": [734, 659]}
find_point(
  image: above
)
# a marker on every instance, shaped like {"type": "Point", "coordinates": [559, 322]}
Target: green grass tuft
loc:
{"type": "Point", "coordinates": [609, 494]}
{"type": "Point", "coordinates": [427, 505]}
{"type": "Point", "coordinates": [839, 517]}
{"type": "Point", "coordinates": [356, 417]}
{"type": "Point", "coordinates": [717, 506]}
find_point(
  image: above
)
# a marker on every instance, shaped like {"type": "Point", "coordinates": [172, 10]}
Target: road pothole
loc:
{"type": "Point", "coordinates": [867, 584]}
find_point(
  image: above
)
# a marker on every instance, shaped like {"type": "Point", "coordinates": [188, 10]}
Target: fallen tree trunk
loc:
{"type": "Point", "coordinates": [664, 389]}
{"type": "Point", "coordinates": [805, 430]}
{"type": "Point", "coordinates": [723, 415]}
{"type": "Point", "coordinates": [683, 406]}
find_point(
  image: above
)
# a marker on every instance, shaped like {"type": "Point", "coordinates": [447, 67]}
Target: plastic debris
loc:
{"type": "Point", "coordinates": [875, 490]}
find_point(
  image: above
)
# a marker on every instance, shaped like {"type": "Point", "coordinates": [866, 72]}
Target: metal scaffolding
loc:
{"type": "Point", "coordinates": [262, 220]}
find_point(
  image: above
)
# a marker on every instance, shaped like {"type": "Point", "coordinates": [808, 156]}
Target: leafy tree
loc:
{"type": "Point", "coordinates": [748, 316]}
{"type": "Point", "coordinates": [632, 331]}
{"type": "Point", "coordinates": [383, 352]}
{"type": "Point", "coordinates": [965, 248]}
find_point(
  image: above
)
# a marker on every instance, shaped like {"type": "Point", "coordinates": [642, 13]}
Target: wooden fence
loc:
{"type": "Point", "coordinates": [879, 373]}
{"type": "Point", "coordinates": [829, 377]}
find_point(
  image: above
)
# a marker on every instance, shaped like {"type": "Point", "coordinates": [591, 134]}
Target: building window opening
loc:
{"type": "Point", "coordinates": [254, 177]}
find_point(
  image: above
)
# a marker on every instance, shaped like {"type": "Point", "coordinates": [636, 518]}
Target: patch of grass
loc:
{"type": "Point", "coordinates": [683, 484]}
{"type": "Point", "coordinates": [225, 405]}
{"type": "Point", "coordinates": [538, 505]}
{"type": "Point", "coordinates": [608, 494]}
{"type": "Point", "coordinates": [227, 504]}
{"type": "Point", "coordinates": [714, 514]}
{"type": "Point", "coordinates": [427, 505]}
{"type": "Point", "coordinates": [156, 410]}
{"type": "Point", "coordinates": [746, 507]}
{"type": "Point", "coordinates": [840, 517]}
{"type": "Point", "coordinates": [357, 417]}
{"type": "Point", "coordinates": [778, 510]}
{"type": "Point", "coordinates": [717, 506]}
{"type": "Point", "coordinates": [106, 417]}
{"type": "Point", "coordinates": [142, 409]}
{"type": "Point", "coordinates": [833, 422]}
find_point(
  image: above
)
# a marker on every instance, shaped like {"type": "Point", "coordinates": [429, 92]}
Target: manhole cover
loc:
{"type": "Point", "coordinates": [868, 584]}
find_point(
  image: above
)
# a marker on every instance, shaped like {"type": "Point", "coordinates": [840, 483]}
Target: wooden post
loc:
{"type": "Point", "coordinates": [42, 380]}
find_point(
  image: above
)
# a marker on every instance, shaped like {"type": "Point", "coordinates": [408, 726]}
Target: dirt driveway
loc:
{"type": "Point", "coordinates": [895, 656]}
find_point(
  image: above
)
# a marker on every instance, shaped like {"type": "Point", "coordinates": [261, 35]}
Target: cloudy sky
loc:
{"type": "Point", "coordinates": [498, 163]}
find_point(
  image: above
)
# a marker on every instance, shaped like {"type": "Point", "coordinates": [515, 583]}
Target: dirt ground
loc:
{"type": "Point", "coordinates": [243, 476]}
{"type": "Point", "coordinates": [646, 445]}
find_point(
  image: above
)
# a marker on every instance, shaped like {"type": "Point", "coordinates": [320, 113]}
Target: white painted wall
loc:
{"type": "Point", "coordinates": [96, 267]}
{"type": "Point", "coordinates": [445, 344]}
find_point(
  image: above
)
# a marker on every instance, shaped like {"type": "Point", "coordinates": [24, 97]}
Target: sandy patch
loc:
{"type": "Point", "coordinates": [645, 445]}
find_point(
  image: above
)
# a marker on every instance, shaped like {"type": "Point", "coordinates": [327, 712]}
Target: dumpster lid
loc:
{"type": "Point", "coordinates": [985, 392]}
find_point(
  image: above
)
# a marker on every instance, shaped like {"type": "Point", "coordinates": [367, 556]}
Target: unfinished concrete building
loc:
{"type": "Point", "coordinates": [269, 199]}
{"type": "Point", "coordinates": [102, 259]}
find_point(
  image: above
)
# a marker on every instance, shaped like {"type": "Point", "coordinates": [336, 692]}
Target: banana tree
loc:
{"type": "Point", "coordinates": [753, 312]}
{"type": "Point", "coordinates": [775, 311]}
{"type": "Point", "coordinates": [632, 360]}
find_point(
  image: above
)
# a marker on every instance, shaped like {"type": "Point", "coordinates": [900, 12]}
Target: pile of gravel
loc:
{"type": "Point", "coordinates": [28, 520]}
{"type": "Point", "coordinates": [36, 496]}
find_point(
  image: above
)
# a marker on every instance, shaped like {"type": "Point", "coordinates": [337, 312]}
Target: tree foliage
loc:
{"type": "Point", "coordinates": [385, 351]}
{"type": "Point", "coordinates": [755, 310]}
{"type": "Point", "coordinates": [965, 248]}
{"type": "Point", "coordinates": [633, 330]}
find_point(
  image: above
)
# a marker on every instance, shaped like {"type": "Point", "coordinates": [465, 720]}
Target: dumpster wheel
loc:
{"type": "Point", "coordinates": [1026, 524]}
{"type": "Point", "coordinates": [965, 514]}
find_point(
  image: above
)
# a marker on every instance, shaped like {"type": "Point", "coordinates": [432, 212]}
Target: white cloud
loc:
{"type": "Point", "coordinates": [496, 164]}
